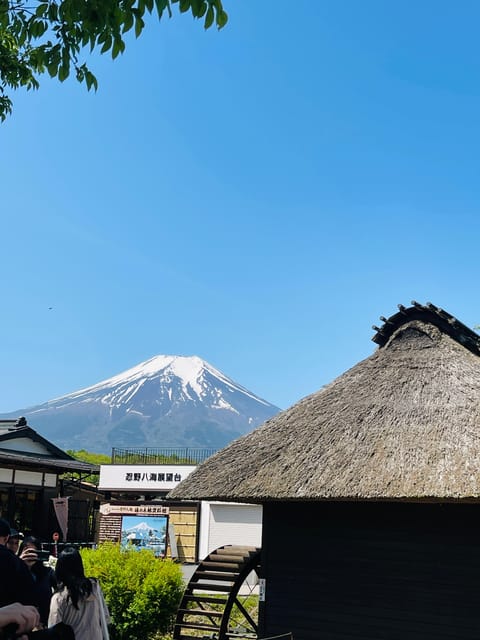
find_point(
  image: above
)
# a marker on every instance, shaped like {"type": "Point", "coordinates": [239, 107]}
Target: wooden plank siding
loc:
{"type": "Point", "coordinates": [184, 518]}
{"type": "Point", "coordinates": [371, 571]}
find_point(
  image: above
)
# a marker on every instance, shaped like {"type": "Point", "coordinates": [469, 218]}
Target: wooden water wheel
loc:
{"type": "Point", "coordinates": [214, 604]}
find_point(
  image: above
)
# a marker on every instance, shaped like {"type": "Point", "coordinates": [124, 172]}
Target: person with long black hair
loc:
{"type": "Point", "coordinates": [79, 601]}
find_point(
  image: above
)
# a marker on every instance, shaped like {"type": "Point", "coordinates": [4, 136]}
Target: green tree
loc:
{"type": "Point", "coordinates": [89, 456]}
{"type": "Point", "coordinates": [92, 458]}
{"type": "Point", "coordinates": [50, 36]}
{"type": "Point", "coordinates": [142, 592]}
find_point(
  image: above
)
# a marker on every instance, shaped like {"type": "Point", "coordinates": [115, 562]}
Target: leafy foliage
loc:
{"type": "Point", "coordinates": [93, 458]}
{"type": "Point", "coordinates": [89, 456]}
{"type": "Point", "coordinates": [142, 592]}
{"type": "Point", "coordinates": [48, 36]}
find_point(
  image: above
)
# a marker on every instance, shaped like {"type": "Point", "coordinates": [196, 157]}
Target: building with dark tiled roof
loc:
{"type": "Point", "coordinates": [32, 472]}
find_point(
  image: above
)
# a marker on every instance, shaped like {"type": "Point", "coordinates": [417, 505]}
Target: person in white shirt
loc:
{"type": "Point", "coordinates": [79, 601]}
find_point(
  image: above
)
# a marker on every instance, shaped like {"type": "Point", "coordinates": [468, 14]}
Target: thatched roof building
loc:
{"type": "Point", "coordinates": [401, 424]}
{"type": "Point", "coordinates": [370, 491]}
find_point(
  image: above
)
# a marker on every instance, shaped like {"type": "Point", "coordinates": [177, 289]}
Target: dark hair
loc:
{"type": "Point", "coordinates": [38, 569]}
{"type": "Point", "coordinates": [29, 541]}
{"type": "Point", "coordinates": [70, 574]}
{"type": "Point", "coordinates": [4, 528]}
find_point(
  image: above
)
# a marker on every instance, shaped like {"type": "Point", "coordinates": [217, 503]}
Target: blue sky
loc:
{"type": "Point", "coordinates": [257, 196]}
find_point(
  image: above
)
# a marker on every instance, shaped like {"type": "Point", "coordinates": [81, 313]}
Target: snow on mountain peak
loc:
{"type": "Point", "coordinates": [190, 370]}
{"type": "Point", "coordinates": [175, 400]}
{"type": "Point", "coordinates": [141, 526]}
{"type": "Point", "coordinates": [147, 369]}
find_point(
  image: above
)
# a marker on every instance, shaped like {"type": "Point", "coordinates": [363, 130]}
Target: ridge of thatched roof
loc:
{"type": "Point", "coordinates": [430, 314]}
{"type": "Point", "coordinates": [403, 424]}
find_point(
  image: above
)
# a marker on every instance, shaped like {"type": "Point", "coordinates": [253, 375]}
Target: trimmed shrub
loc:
{"type": "Point", "coordinates": [142, 592]}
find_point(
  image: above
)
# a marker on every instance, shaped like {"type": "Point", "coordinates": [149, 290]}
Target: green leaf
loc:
{"type": "Point", "coordinates": [90, 80]}
{"type": "Point", "coordinates": [41, 9]}
{"type": "Point", "coordinates": [118, 47]}
{"type": "Point", "coordinates": [22, 37]}
{"type": "Point", "coordinates": [139, 24]}
{"type": "Point", "coordinates": [52, 69]}
{"type": "Point", "coordinates": [161, 6]}
{"type": "Point", "coordinates": [195, 6]}
{"type": "Point", "coordinates": [128, 22]}
{"type": "Point", "coordinates": [32, 28]}
{"type": "Point", "coordinates": [222, 19]}
{"type": "Point", "coordinates": [107, 44]}
{"type": "Point", "coordinates": [201, 9]}
{"type": "Point", "coordinates": [63, 72]}
{"type": "Point", "coordinates": [53, 12]}
{"type": "Point", "coordinates": [184, 5]}
{"type": "Point", "coordinates": [209, 17]}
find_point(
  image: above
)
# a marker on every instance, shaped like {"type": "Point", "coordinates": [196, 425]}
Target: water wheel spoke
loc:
{"type": "Point", "coordinates": [211, 600]}
{"type": "Point", "coordinates": [246, 615]}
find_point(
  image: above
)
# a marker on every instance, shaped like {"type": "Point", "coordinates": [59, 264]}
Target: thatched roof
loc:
{"type": "Point", "coordinates": [402, 424]}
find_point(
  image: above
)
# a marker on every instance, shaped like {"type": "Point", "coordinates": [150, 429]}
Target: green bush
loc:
{"type": "Point", "coordinates": [142, 592]}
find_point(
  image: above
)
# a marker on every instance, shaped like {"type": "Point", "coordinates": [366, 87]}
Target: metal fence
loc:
{"type": "Point", "coordinates": [48, 546]}
{"type": "Point", "coordinates": [152, 455]}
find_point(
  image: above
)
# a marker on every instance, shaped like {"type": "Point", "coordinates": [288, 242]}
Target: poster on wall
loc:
{"type": "Point", "coordinates": [144, 532]}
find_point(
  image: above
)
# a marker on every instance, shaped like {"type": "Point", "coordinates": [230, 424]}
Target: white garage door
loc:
{"type": "Point", "coordinates": [234, 524]}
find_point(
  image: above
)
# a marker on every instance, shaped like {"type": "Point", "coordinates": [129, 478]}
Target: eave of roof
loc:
{"type": "Point", "coordinates": [30, 434]}
{"type": "Point", "coordinates": [13, 459]}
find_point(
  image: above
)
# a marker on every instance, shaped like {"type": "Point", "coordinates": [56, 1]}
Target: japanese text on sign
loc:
{"type": "Point", "coordinates": [153, 477]}
{"type": "Point", "coordinates": [133, 509]}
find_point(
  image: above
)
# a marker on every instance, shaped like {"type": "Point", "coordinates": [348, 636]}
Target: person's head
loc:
{"type": "Point", "coordinates": [31, 542]}
{"type": "Point", "coordinates": [29, 552]}
{"type": "Point", "coordinates": [13, 541]}
{"type": "Point", "coordinates": [4, 531]}
{"type": "Point", "coordinates": [70, 574]}
{"type": "Point", "coordinates": [69, 566]}
{"type": "Point", "coordinates": [56, 536]}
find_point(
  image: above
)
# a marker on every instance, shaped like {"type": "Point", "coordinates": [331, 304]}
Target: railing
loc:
{"type": "Point", "coordinates": [151, 455]}
{"type": "Point", "coordinates": [49, 546]}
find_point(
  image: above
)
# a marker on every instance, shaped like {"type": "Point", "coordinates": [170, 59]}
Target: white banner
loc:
{"type": "Point", "coordinates": [61, 511]}
{"type": "Point", "coordinates": [145, 477]}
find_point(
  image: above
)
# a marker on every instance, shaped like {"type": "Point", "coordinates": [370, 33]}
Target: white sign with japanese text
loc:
{"type": "Point", "coordinates": [149, 508]}
{"type": "Point", "coordinates": [145, 477]}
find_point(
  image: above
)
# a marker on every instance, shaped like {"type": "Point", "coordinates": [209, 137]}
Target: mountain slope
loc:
{"type": "Point", "coordinates": [167, 401]}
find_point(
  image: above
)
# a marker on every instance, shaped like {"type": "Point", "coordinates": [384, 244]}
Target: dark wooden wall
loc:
{"type": "Point", "coordinates": [371, 571]}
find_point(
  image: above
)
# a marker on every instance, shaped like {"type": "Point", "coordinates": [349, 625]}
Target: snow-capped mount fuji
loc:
{"type": "Point", "coordinates": [167, 401]}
